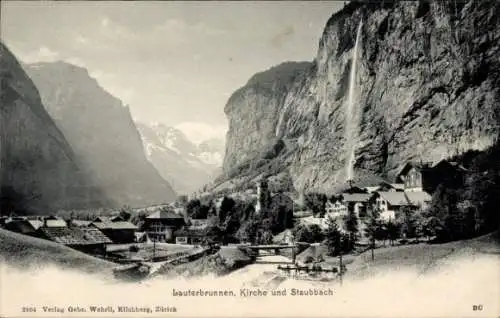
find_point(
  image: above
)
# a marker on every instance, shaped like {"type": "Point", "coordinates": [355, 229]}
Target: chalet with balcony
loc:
{"type": "Point", "coordinates": [357, 202]}
{"type": "Point", "coordinates": [161, 224]}
{"type": "Point", "coordinates": [416, 176]}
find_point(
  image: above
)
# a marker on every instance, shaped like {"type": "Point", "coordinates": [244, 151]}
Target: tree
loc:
{"type": "Point", "coordinates": [264, 197]}
{"type": "Point", "coordinates": [316, 202]}
{"type": "Point", "coordinates": [333, 237]}
{"type": "Point", "coordinates": [393, 231]}
{"type": "Point", "coordinates": [139, 220]}
{"type": "Point", "coordinates": [282, 212]}
{"type": "Point", "coordinates": [126, 213]}
{"type": "Point", "coordinates": [182, 200]}
{"type": "Point", "coordinates": [372, 230]}
{"type": "Point", "coordinates": [409, 223]}
{"type": "Point", "coordinates": [193, 208]}
{"type": "Point", "coordinates": [248, 231]}
{"type": "Point", "coordinates": [308, 234]}
{"type": "Point", "coordinates": [430, 226]}
{"type": "Point", "coordinates": [226, 208]}
{"type": "Point", "coordinates": [351, 226]}
{"type": "Point", "coordinates": [266, 237]}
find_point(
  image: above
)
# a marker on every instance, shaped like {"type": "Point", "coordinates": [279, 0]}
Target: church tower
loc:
{"type": "Point", "coordinates": [263, 197]}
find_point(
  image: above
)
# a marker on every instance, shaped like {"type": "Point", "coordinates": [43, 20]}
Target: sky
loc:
{"type": "Point", "coordinates": [175, 63]}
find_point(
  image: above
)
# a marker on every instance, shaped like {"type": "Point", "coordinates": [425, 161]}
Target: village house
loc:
{"type": "Point", "coordinates": [419, 199]}
{"type": "Point", "coordinates": [189, 236]}
{"type": "Point", "coordinates": [196, 233]}
{"type": "Point", "coordinates": [389, 203]}
{"type": "Point", "coordinates": [356, 202]}
{"type": "Point", "coordinates": [335, 208]}
{"type": "Point", "coordinates": [445, 171]}
{"type": "Point", "coordinates": [22, 225]}
{"type": "Point", "coordinates": [88, 240]}
{"type": "Point", "coordinates": [119, 232]}
{"type": "Point", "coordinates": [416, 177]}
{"type": "Point", "coordinates": [29, 225]}
{"type": "Point", "coordinates": [161, 224]}
{"type": "Point", "coordinates": [55, 229]}
{"type": "Point", "coordinates": [385, 186]}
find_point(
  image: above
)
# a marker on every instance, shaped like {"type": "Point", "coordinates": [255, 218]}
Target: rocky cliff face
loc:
{"type": "Point", "coordinates": [427, 87]}
{"type": "Point", "coordinates": [253, 111]}
{"type": "Point", "coordinates": [102, 133]}
{"type": "Point", "coordinates": [186, 165]}
{"type": "Point", "coordinates": [38, 172]}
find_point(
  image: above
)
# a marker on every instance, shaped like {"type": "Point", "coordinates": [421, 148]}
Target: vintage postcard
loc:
{"type": "Point", "coordinates": [250, 158]}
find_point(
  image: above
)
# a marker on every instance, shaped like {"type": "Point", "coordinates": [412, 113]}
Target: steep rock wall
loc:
{"type": "Point", "coordinates": [102, 133]}
{"type": "Point", "coordinates": [38, 169]}
{"type": "Point", "coordinates": [427, 88]}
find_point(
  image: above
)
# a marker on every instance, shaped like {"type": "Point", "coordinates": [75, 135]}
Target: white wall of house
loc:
{"type": "Point", "coordinates": [335, 209]}
{"type": "Point", "coordinates": [181, 240]}
{"type": "Point", "coordinates": [386, 213]}
{"type": "Point", "coordinates": [413, 180]}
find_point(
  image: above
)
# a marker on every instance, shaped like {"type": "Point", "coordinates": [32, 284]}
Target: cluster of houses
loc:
{"type": "Point", "coordinates": [415, 184]}
{"type": "Point", "coordinates": [94, 236]}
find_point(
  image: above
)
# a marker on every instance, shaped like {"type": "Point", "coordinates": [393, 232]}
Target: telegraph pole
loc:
{"type": "Point", "coordinates": [340, 267]}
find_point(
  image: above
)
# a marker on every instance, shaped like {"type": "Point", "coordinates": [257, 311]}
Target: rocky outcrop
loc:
{"type": "Point", "coordinates": [254, 109]}
{"type": "Point", "coordinates": [38, 169]}
{"type": "Point", "coordinates": [102, 134]}
{"type": "Point", "coordinates": [427, 88]}
{"type": "Point", "coordinates": [186, 165]}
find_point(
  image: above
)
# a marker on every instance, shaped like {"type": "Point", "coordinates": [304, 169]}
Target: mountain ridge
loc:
{"type": "Point", "coordinates": [103, 135]}
{"type": "Point", "coordinates": [39, 171]}
{"type": "Point", "coordinates": [186, 164]}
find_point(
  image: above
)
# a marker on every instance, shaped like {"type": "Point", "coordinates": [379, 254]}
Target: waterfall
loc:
{"type": "Point", "coordinates": [351, 122]}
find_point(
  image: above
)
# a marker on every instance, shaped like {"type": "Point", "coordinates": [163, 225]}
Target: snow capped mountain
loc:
{"type": "Point", "coordinates": [187, 165]}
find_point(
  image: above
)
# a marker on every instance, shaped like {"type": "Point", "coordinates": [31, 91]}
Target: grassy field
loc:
{"type": "Point", "coordinates": [423, 257]}
{"type": "Point", "coordinates": [29, 252]}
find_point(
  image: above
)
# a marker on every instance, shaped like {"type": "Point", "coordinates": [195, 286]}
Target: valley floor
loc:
{"type": "Point", "coordinates": [414, 280]}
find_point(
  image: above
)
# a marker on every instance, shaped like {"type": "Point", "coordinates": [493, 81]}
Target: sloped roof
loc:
{"type": "Point", "coordinates": [101, 219]}
{"type": "Point", "coordinates": [394, 197]}
{"type": "Point", "coordinates": [75, 236]}
{"type": "Point", "coordinates": [414, 164]}
{"type": "Point", "coordinates": [115, 225]}
{"type": "Point", "coordinates": [55, 223]}
{"type": "Point", "coordinates": [80, 223]}
{"type": "Point", "coordinates": [116, 218]}
{"type": "Point", "coordinates": [164, 215]}
{"type": "Point", "coordinates": [36, 224]}
{"type": "Point", "coordinates": [20, 226]}
{"type": "Point", "coordinates": [454, 164]}
{"type": "Point", "coordinates": [63, 235]}
{"type": "Point", "coordinates": [371, 189]}
{"type": "Point", "coordinates": [398, 186]}
{"type": "Point", "coordinates": [418, 197]}
{"type": "Point", "coordinates": [356, 197]}
{"type": "Point", "coordinates": [94, 236]}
